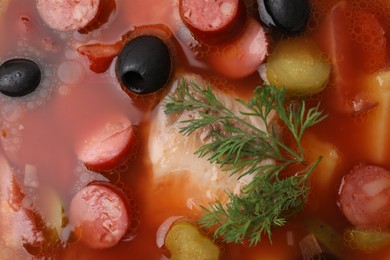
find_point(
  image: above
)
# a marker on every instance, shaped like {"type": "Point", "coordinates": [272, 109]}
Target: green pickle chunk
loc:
{"type": "Point", "coordinates": [184, 241]}
{"type": "Point", "coordinates": [299, 66]}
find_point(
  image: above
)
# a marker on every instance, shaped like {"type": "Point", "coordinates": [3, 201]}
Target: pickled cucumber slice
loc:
{"type": "Point", "coordinates": [299, 66]}
{"type": "Point", "coordinates": [184, 241]}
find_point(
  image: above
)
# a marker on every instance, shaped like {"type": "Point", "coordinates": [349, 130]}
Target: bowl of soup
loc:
{"type": "Point", "coordinates": [190, 129]}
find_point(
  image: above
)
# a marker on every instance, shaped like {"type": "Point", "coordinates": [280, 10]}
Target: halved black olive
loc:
{"type": "Point", "coordinates": [19, 77]}
{"type": "Point", "coordinates": [286, 16]}
{"type": "Point", "coordinates": [144, 64]}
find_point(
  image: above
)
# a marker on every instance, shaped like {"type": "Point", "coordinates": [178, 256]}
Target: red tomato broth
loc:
{"type": "Point", "coordinates": [53, 129]}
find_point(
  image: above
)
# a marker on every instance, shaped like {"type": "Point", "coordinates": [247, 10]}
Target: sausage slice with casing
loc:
{"type": "Point", "coordinates": [365, 196]}
{"type": "Point", "coordinates": [99, 215]}
{"type": "Point", "coordinates": [109, 146]}
{"type": "Point", "coordinates": [213, 21]}
{"type": "Point", "coordinates": [68, 15]}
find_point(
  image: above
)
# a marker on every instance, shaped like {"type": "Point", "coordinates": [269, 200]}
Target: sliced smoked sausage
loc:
{"type": "Point", "coordinates": [213, 21]}
{"type": "Point", "coordinates": [99, 215]}
{"type": "Point", "coordinates": [365, 196]}
{"type": "Point", "coordinates": [110, 146]}
{"type": "Point", "coordinates": [68, 15]}
{"type": "Point", "coordinates": [244, 55]}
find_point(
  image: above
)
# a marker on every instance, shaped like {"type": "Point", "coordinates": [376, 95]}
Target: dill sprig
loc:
{"type": "Point", "coordinates": [241, 148]}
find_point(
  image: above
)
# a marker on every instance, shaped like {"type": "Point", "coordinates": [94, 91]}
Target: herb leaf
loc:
{"type": "Point", "coordinates": [244, 149]}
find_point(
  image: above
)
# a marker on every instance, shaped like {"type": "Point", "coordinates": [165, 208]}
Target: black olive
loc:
{"type": "Point", "coordinates": [144, 64]}
{"type": "Point", "coordinates": [19, 77]}
{"type": "Point", "coordinates": [325, 256]}
{"type": "Point", "coordinates": [286, 16]}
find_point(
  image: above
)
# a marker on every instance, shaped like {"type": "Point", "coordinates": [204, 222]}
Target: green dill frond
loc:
{"type": "Point", "coordinates": [242, 149]}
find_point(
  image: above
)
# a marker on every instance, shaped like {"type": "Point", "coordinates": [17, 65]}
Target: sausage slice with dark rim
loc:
{"type": "Point", "coordinates": [99, 215]}
{"type": "Point", "coordinates": [365, 196]}
{"type": "Point", "coordinates": [213, 21]}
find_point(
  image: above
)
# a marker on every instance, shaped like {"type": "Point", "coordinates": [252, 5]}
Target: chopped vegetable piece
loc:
{"type": "Point", "coordinates": [299, 66]}
{"type": "Point", "coordinates": [355, 41]}
{"type": "Point", "coordinates": [326, 172]}
{"type": "Point", "coordinates": [99, 55]}
{"type": "Point", "coordinates": [334, 41]}
{"type": "Point", "coordinates": [52, 209]}
{"type": "Point", "coordinates": [311, 250]}
{"type": "Point", "coordinates": [309, 247]}
{"type": "Point", "coordinates": [269, 200]}
{"type": "Point", "coordinates": [376, 139]}
{"type": "Point", "coordinates": [367, 240]}
{"type": "Point", "coordinates": [184, 241]}
{"type": "Point", "coordinates": [326, 235]}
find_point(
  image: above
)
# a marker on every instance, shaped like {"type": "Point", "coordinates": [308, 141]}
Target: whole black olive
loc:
{"type": "Point", "coordinates": [144, 64]}
{"type": "Point", "coordinates": [286, 16]}
{"type": "Point", "coordinates": [19, 77]}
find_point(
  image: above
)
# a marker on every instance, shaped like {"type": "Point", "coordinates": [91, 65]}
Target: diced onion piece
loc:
{"type": "Point", "coordinates": [290, 238]}
{"type": "Point", "coordinates": [52, 210]}
{"type": "Point", "coordinates": [163, 230]}
{"type": "Point", "coordinates": [309, 247]}
{"type": "Point", "coordinates": [184, 241]}
{"type": "Point", "coordinates": [298, 65]}
{"type": "Point", "coordinates": [30, 176]}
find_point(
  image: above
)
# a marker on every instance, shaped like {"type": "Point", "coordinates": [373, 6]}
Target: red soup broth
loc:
{"type": "Point", "coordinates": [44, 129]}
